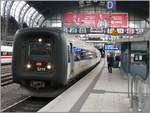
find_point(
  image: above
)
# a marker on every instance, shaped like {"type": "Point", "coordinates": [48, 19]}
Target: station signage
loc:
{"type": "Point", "coordinates": [110, 31]}
{"type": "Point", "coordinates": [98, 30]}
{"type": "Point", "coordinates": [132, 31]}
{"type": "Point", "coordinates": [111, 5]}
{"type": "Point", "coordinates": [114, 32]}
{"type": "Point", "coordinates": [76, 30]}
{"type": "Point", "coordinates": [103, 20]}
{"type": "Point", "coordinates": [139, 31]}
{"type": "Point", "coordinates": [111, 47]}
{"type": "Point", "coordinates": [120, 30]}
{"type": "Point", "coordinates": [85, 3]}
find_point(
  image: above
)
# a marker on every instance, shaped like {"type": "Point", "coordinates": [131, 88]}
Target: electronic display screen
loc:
{"type": "Point", "coordinates": [111, 47]}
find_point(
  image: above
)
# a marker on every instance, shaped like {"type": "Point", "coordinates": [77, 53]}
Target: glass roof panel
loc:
{"type": "Point", "coordinates": [18, 9]}
{"type": "Point", "coordinates": [7, 8]}
{"type": "Point", "coordinates": [26, 15]}
{"type": "Point", "coordinates": [33, 17]}
{"type": "Point", "coordinates": [41, 20]}
{"type": "Point", "coordinates": [24, 10]}
{"type": "Point", "coordinates": [36, 23]}
{"type": "Point", "coordinates": [13, 8]}
{"type": "Point", "coordinates": [2, 7]}
{"type": "Point", "coordinates": [30, 14]}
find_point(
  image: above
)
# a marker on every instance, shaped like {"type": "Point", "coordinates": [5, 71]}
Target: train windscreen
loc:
{"type": "Point", "coordinates": [40, 48]}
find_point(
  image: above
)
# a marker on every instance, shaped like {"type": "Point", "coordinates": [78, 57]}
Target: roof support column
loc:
{"type": "Point", "coordinates": [7, 16]}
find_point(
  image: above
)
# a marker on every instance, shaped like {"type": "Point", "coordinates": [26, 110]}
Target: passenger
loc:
{"type": "Point", "coordinates": [110, 61]}
{"type": "Point", "coordinates": [78, 58]}
{"type": "Point", "coordinates": [103, 53]}
{"type": "Point", "coordinates": [117, 60]}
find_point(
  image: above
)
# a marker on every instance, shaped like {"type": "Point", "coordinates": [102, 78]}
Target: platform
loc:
{"type": "Point", "coordinates": [99, 91]}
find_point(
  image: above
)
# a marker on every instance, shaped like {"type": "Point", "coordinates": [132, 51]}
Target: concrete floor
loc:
{"type": "Point", "coordinates": [98, 91]}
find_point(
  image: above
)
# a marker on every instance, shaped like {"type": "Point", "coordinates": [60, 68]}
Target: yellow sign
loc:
{"type": "Point", "coordinates": [114, 32]}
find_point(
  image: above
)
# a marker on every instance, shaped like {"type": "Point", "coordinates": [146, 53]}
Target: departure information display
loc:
{"type": "Point", "coordinates": [111, 47]}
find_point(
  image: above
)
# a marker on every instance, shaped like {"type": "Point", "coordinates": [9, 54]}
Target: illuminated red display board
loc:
{"type": "Point", "coordinates": [81, 19]}
{"type": "Point", "coordinates": [117, 19]}
{"type": "Point", "coordinates": [95, 19]}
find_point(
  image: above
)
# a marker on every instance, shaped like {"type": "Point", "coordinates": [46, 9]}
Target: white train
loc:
{"type": "Point", "coordinates": [44, 59]}
{"type": "Point", "coordinates": [6, 54]}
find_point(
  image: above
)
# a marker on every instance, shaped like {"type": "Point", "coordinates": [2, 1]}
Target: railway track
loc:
{"type": "Point", "coordinates": [33, 104]}
{"type": "Point", "coordinates": [29, 104]}
{"type": "Point", "coordinates": [6, 79]}
{"type": "Point", "coordinates": [5, 69]}
{"type": "Point", "coordinates": [6, 75]}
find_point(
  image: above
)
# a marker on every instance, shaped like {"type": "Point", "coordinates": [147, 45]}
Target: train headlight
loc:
{"type": "Point", "coordinates": [40, 39]}
{"type": "Point", "coordinates": [49, 66]}
{"type": "Point", "coordinates": [28, 66]}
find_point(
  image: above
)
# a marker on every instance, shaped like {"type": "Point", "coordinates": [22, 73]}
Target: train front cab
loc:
{"type": "Point", "coordinates": [39, 58]}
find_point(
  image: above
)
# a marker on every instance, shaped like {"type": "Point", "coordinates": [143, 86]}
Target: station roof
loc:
{"type": "Point", "coordinates": [21, 14]}
{"type": "Point", "coordinates": [138, 8]}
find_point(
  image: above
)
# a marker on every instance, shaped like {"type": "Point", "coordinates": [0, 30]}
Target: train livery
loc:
{"type": "Point", "coordinates": [46, 58]}
{"type": "Point", "coordinates": [6, 54]}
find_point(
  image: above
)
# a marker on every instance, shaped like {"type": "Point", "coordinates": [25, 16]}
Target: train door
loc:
{"type": "Point", "coordinates": [71, 61]}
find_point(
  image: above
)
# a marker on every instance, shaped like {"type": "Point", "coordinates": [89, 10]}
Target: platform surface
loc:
{"type": "Point", "coordinates": [99, 91]}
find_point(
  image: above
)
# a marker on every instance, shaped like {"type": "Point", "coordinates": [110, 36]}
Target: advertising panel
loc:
{"type": "Point", "coordinates": [95, 19]}
{"type": "Point", "coordinates": [116, 19]}
{"type": "Point", "coordinates": [81, 19]}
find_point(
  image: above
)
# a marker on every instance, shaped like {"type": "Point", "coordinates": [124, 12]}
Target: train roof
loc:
{"type": "Point", "coordinates": [70, 37]}
{"type": "Point", "coordinates": [79, 43]}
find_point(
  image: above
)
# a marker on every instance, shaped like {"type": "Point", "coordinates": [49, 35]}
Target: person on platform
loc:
{"type": "Point", "coordinates": [117, 60]}
{"type": "Point", "coordinates": [103, 53]}
{"type": "Point", "coordinates": [110, 61]}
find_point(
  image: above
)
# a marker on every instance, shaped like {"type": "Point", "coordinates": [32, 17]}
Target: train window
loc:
{"type": "Point", "coordinates": [40, 48]}
{"type": "Point", "coordinates": [85, 54]}
{"type": "Point", "coordinates": [82, 54]}
{"type": "Point", "coordinates": [76, 57]}
{"type": "Point", "coordinates": [77, 52]}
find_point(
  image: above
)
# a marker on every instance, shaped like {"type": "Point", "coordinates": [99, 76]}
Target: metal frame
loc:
{"type": "Point", "coordinates": [16, 9]}
{"type": "Point", "coordinates": [35, 18]}
{"type": "Point", "coordinates": [27, 14]}
{"type": "Point", "coordinates": [38, 14]}
{"type": "Point", "coordinates": [7, 16]}
{"type": "Point", "coordinates": [38, 19]}
{"type": "Point", "coordinates": [22, 19]}
{"type": "Point", "coordinates": [42, 22]}
{"type": "Point", "coordinates": [19, 20]}
{"type": "Point", "coordinates": [31, 17]}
